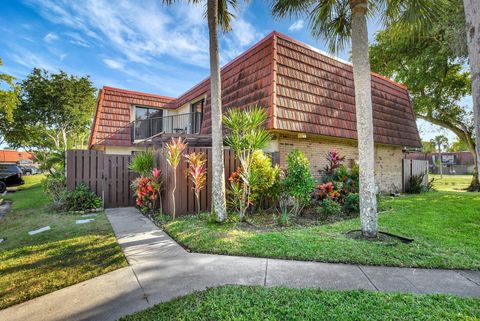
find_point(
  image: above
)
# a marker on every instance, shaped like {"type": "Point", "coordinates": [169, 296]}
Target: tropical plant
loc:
{"type": "Point", "coordinates": [218, 14]}
{"type": "Point", "coordinates": [51, 160]}
{"type": "Point", "coordinates": [55, 187]}
{"type": "Point", "coordinates": [246, 134]}
{"type": "Point", "coordinates": [197, 172]}
{"type": "Point", "coordinates": [142, 162]}
{"type": "Point", "coordinates": [81, 199]}
{"type": "Point", "coordinates": [329, 207]}
{"type": "Point", "coordinates": [174, 154]}
{"type": "Point", "coordinates": [416, 186]}
{"type": "Point", "coordinates": [472, 19]}
{"type": "Point", "coordinates": [340, 20]}
{"type": "Point", "coordinates": [441, 143]}
{"type": "Point", "coordinates": [147, 191]}
{"type": "Point", "coordinates": [298, 182]}
{"type": "Point", "coordinates": [265, 177]}
{"type": "Point", "coordinates": [334, 161]}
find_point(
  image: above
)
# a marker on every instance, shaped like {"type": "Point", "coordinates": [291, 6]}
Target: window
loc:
{"type": "Point", "coordinates": [148, 122]}
{"type": "Point", "coordinates": [196, 110]}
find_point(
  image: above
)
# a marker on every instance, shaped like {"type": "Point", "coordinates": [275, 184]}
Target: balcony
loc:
{"type": "Point", "coordinates": [181, 124]}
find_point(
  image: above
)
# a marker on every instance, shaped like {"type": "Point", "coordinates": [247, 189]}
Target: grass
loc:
{"type": "Point", "coordinates": [260, 303]}
{"type": "Point", "coordinates": [444, 225]}
{"type": "Point", "coordinates": [31, 266]}
{"type": "Point", "coordinates": [453, 183]}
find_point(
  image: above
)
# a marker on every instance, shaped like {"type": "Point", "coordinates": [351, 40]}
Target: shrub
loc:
{"type": "Point", "coordinates": [298, 181]}
{"type": "Point", "coordinates": [351, 203]}
{"type": "Point", "coordinates": [416, 186]}
{"type": "Point", "coordinates": [54, 186]}
{"type": "Point", "coordinates": [329, 207]}
{"type": "Point", "coordinates": [142, 162]}
{"type": "Point", "coordinates": [334, 162]}
{"type": "Point", "coordinates": [246, 134]}
{"type": "Point", "coordinates": [174, 154]}
{"type": "Point", "coordinates": [147, 191]}
{"type": "Point", "coordinates": [81, 199]}
{"type": "Point", "coordinates": [197, 172]}
{"type": "Point", "coordinates": [265, 177]}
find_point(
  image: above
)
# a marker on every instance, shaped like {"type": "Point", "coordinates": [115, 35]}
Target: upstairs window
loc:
{"type": "Point", "coordinates": [196, 110]}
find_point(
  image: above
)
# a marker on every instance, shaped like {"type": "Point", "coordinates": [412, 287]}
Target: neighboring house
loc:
{"type": "Point", "coordinates": [308, 95]}
{"type": "Point", "coordinates": [459, 163]}
{"type": "Point", "coordinates": [8, 156]}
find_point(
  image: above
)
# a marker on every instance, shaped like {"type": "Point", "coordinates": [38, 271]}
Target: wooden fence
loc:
{"type": "Point", "coordinates": [109, 177]}
{"type": "Point", "coordinates": [413, 167]}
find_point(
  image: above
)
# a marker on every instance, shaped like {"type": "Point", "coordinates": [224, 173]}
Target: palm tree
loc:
{"type": "Point", "coordinates": [472, 19]}
{"type": "Point", "coordinates": [441, 143]}
{"type": "Point", "coordinates": [217, 14]}
{"type": "Point", "coordinates": [338, 21]}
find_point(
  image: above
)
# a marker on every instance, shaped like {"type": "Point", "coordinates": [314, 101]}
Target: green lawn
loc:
{"type": "Point", "coordinates": [260, 303]}
{"type": "Point", "coordinates": [455, 183]}
{"type": "Point", "coordinates": [444, 225]}
{"type": "Point", "coordinates": [34, 265]}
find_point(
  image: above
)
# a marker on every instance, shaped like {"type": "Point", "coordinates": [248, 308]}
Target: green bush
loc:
{"type": "Point", "coordinates": [54, 186]}
{"type": "Point", "coordinates": [329, 207]}
{"type": "Point", "coordinates": [265, 177]}
{"type": "Point", "coordinates": [81, 199]}
{"type": "Point", "coordinates": [142, 163]}
{"type": "Point", "coordinates": [352, 203]}
{"type": "Point", "coordinates": [298, 180]}
{"type": "Point", "coordinates": [415, 184]}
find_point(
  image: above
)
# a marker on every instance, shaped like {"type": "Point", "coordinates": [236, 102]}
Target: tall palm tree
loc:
{"type": "Point", "coordinates": [441, 143]}
{"type": "Point", "coordinates": [338, 21]}
{"type": "Point", "coordinates": [217, 14]}
{"type": "Point", "coordinates": [472, 19]}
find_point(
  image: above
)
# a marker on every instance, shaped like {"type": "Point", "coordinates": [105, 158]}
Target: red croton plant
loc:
{"type": "Point", "coordinates": [147, 190]}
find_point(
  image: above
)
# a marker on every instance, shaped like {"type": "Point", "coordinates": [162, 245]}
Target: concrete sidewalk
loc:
{"type": "Point", "coordinates": [160, 270]}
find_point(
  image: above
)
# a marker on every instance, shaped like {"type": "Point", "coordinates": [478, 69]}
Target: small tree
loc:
{"type": "Point", "coordinates": [174, 154]}
{"type": "Point", "coordinates": [298, 181]}
{"type": "Point", "coordinates": [197, 172]}
{"type": "Point", "coordinates": [246, 135]}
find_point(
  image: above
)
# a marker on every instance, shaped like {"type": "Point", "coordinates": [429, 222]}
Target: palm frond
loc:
{"type": "Point", "coordinates": [282, 8]}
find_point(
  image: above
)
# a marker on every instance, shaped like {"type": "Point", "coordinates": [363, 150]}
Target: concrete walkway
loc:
{"type": "Point", "coordinates": [160, 270]}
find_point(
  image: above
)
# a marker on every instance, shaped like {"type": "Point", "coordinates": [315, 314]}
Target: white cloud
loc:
{"type": "Point", "coordinates": [243, 32]}
{"type": "Point", "coordinates": [50, 37]}
{"type": "Point", "coordinates": [297, 25]}
{"type": "Point", "coordinates": [114, 64]}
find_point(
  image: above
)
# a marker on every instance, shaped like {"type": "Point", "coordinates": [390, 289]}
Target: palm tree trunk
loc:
{"type": "Point", "coordinates": [219, 206]}
{"type": "Point", "coordinates": [472, 19]}
{"type": "Point", "coordinates": [363, 105]}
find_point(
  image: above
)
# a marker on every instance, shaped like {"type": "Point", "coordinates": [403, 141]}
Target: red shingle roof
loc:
{"type": "Point", "coordinates": [304, 91]}
{"type": "Point", "coordinates": [13, 156]}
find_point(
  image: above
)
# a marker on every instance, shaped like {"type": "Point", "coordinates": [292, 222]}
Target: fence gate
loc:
{"type": "Point", "coordinates": [414, 167]}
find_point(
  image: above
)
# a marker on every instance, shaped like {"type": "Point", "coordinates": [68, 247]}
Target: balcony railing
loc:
{"type": "Point", "coordinates": [181, 124]}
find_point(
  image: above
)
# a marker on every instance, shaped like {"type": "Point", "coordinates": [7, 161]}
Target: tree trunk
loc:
{"type": "Point", "coordinates": [472, 19]}
{"type": "Point", "coordinates": [363, 105]}
{"type": "Point", "coordinates": [219, 206]}
{"type": "Point", "coordinates": [440, 161]}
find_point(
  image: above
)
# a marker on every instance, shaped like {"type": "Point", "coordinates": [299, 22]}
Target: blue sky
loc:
{"type": "Point", "coordinates": [136, 45]}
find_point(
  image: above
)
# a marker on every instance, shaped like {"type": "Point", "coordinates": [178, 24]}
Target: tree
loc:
{"type": "Point", "coordinates": [217, 14]}
{"type": "Point", "coordinates": [432, 67]}
{"type": "Point", "coordinates": [9, 92]}
{"type": "Point", "coordinates": [458, 146]}
{"type": "Point", "coordinates": [246, 134]}
{"type": "Point", "coordinates": [340, 20]}
{"type": "Point", "coordinates": [54, 108]}
{"type": "Point", "coordinates": [472, 18]}
{"type": "Point", "coordinates": [428, 147]}
{"type": "Point", "coordinates": [441, 144]}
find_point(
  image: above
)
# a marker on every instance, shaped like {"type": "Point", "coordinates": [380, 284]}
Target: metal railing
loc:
{"type": "Point", "coordinates": [182, 124]}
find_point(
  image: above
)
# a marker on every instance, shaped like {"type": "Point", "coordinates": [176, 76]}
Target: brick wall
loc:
{"type": "Point", "coordinates": [388, 159]}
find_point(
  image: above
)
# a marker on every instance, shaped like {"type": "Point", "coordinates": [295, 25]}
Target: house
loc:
{"type": "Point", "coordinates": [8, 156]}
{"type": "Point", "coordinates": [309, 97]}
{"type": "Point", "coordinates": [459, 163]}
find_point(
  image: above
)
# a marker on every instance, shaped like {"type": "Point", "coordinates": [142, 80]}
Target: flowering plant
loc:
{"type": "Point", "coordinates": [147, 190]}
{"type": "Point", "coordinates": [327, 190]}
{"type": "Point", "coordinates": [174, 154]}
{"type": "Point", "coordinates": [197, 171]}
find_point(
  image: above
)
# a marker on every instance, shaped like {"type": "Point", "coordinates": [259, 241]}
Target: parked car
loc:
{"type": "Point", "coordinates": [10, 175]}
{"type": "Point", "coordinates": [26, 170]}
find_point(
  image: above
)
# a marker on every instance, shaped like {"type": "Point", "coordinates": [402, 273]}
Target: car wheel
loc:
{"type": "Point", "coordinates": [3, 187]}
